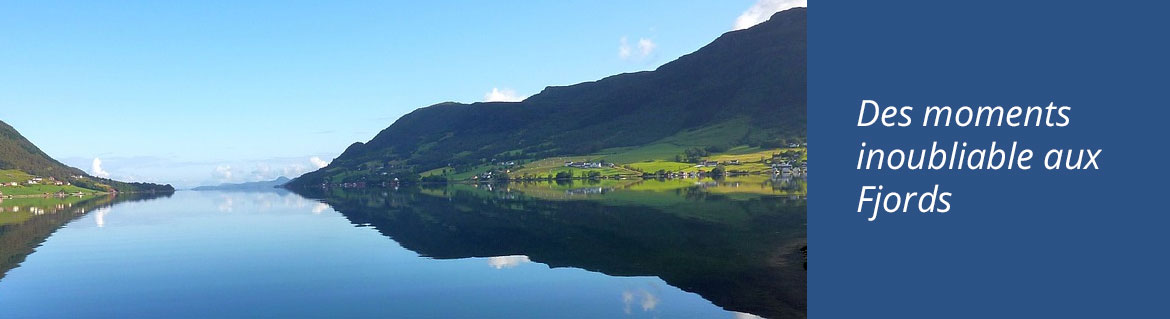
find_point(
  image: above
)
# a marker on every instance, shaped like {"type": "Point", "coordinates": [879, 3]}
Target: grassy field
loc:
{"type": "Point", "coordinates": [11, 175]}
{"type": "Point", "coordinates": [750, 157]}
{"type": "Point", "coordinates": [743, 149]}
{"type": "Point", "coordinates": [451, 175]}
{"type": "Point", "coordinates": [649, 158]}
{"type": "Point", "coordinates": [7, 176]}
{"type": "Point", "coordinates": [657, 151]}
{"type": "Point", "coordinates": [433, 172]}
{"type": "Point", "coordinates": [753, 154]}
{"type": "Point", "coordinates": [654, 166]}
{"type": "Point", "coordinates": [43, 189]}
{"type": "Point", "coordinates": [552, 166]}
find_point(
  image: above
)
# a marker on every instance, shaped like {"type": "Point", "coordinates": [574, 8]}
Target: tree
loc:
{"type": "Point", "coordinates": [718, 171]}
{"type": "Point", "coordinates": [694, 154]}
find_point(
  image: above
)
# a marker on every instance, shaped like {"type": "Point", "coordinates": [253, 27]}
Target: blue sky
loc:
{"type": "Point", "coordinates": [204, 92]}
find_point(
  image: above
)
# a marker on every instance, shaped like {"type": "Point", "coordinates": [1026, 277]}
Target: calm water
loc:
{"type": "Point", "coordinates": [618, 249]}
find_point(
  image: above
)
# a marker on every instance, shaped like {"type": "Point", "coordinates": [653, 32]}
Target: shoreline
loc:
{"type": "Point", "coordinates": [52, 195]}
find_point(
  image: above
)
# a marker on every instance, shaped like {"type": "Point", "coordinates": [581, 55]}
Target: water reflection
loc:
{"type": "Point", "coordinates": [100, 216]}
{"type": "Point", "coordinates": [734, 243]}
{"type": "Point", "coordinates": [501, 262]}
{"type": "Point", "coordinates": [741, 315]}
{"type": "Point", "coordinates": [737, 244]}
{"type": "Point", "coordinates": [29, 221]}
{"type": "Point", "coordinates": [261, 201]}
{"type": "Point", "coordinates": [641, 297]}
{"type": "Point", "coordinates": [319, 208]}
{"type": "Point", "coordinates": [226, 203]}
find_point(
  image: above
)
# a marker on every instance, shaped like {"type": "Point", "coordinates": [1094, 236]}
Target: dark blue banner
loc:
{"type": "Point", "coordinates": [1085, 238]}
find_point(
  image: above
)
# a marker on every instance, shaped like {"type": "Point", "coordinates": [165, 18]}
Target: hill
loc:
{"type": "Point", "coordinates": [16, 152]}
{"type": "Point", "coordinates": [265, 185]}
{"type": "Point", "coordinates": [746, 88]}
{"type": "Point", "coordinates": [19, 154]}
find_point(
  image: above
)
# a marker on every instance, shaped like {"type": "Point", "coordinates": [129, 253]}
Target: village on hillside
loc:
{"type": "Point", "coordinates": [17, 183]}
{"type": "Point", "coordinates": [790, 162]}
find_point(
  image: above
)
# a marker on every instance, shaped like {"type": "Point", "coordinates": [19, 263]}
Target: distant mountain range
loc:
{"type": "Point", "coordinates": [264, 185]}
{"type": "Point", "coordinates": [748, 87]}
{"type": "Point", "coordinates": [18, 153]}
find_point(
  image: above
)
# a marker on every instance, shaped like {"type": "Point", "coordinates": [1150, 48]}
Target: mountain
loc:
{"type": "Point", "coordinates": [265, 185]}
{"type": "Point", "coordinates": [18, 153]}
{"type": "Point", "coordinates": [748, 87]}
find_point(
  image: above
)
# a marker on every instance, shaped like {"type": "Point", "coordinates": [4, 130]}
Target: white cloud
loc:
{"type": "Point", "coordinates": [318, 162]}
{"type": "Point", "coordinates": [501, 262]}
{"type": "Point", "coordinates": [763, 9]}
{"type": "Point", "coordinates": [96, 169]}
{"type": "Point", "coordinates": [295, 170]}
{"type": "Point", "coordinates": [223, 173]}
{"type": "Point", "coordinates": [646, 46]}
{"type": "Point", "coordinates": [266, 171]}
{"type": "Point", "coordinates": [502, 95]}
{"type": "Point", "coordinates": [188, 173]}
{"type": "Point", "coordinates": [262, 172]}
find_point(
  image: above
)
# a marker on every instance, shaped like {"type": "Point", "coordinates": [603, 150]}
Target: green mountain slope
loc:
{"type": "Point", "coordinates": [747, 87]}
{"type": "Point", "coordinates": [17, 153]}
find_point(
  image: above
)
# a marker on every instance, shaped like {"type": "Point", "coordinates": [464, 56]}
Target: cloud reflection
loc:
{"type": "Point", "coordinates": [99, 217]}
{"type": "Point", "coordinates": [226, 204]}
{"type": "Point", "coordinates": [743, 315]}
{"type": "Point", "coordinates": [255, 201]}
{"type": "Point", "coordinates": [648, 301]}
{"type": "Point", "coordinates": [320, 207]}
{"type": "Point", "coordinates": [501, 262]}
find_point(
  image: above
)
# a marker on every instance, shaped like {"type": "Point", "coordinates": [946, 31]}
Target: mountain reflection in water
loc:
{"type": "Point", "coordinates": [27, 222]}
{"type": "Point", "coordinates": [669, 248]}
{"type": "Point", "coordinates": [735, 244]}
